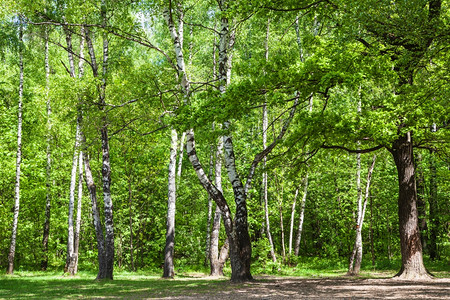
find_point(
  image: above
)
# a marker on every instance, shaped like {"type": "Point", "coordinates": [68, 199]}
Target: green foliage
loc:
{"type": "Point", "coordinates": [360, 53]}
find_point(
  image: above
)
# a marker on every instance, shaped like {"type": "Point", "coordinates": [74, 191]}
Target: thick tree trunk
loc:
{"type": "Point", "coordinates": [12, 247]}
{"type": "Point", "coordinates": [240, 246]}
{"type": "Point", "coordinates": [170, 223]}
{"type": "Point", "coordinates": [96, 218]}
{"type": "Point", "coordinates": [239, 254]}
{"type": "Point", "coordinates": [46, 233]}
{"type": "Point", "coordinates": [410, 245]}
{"type": "Point", "coordinates": [302, 216]}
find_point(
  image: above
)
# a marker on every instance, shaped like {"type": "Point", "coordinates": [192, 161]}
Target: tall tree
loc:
{"type": "Point", "coordinates": [356, 257]}
{"type": "Point", "coordinates": [46, 231]}
{"type": "Point", "coordinates": [12, 247]}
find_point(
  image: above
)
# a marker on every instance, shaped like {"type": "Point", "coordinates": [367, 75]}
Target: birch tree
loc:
{"type": "Point", "coordinates": [48, 202]}
{"type": "Point", "coordinates": [356, 257]}
{"type": "Point", "coordinates": [12, 247]}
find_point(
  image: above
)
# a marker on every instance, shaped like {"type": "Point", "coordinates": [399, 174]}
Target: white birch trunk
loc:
{"type": "Point", "coordinates": [217, 263]}
{"type": "Point", "coordinates": [70, 260]}
{"type": "Point", "coordinates": [265, 196]}
{"type": "Point", "coordinates": [264, 141]}
{"type": "Point", "coordinates": [79, 204]}
{"type": "Point", "coordinates": [96, 218]}
{"type": "Point", "coordinates": [12, 247]}
{"type": "Point", "coordinates": [46, 232]}
{"type": "Point", "coordinates": [210, 202]}
{"type": "Point", "coordinates": [302, 216]}
{"type": "Point", "coordinates": [291, 227]}
{"type": "Point", "coordinates": [356, 259]}
{"type": "Point", "coordinates": [170, 223]}
{"type": "Point", "coordinates": [180, 158]}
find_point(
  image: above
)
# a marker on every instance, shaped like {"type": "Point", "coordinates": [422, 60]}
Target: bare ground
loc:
{"type": "Point", "coordinates": [326, 288]}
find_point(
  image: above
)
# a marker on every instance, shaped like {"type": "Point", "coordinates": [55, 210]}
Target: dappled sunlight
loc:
{"type": "Point", "coordinates": [192, 286]}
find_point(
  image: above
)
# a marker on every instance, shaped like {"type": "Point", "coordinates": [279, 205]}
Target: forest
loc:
{"type": "Point", "coordinates": [233, 137]}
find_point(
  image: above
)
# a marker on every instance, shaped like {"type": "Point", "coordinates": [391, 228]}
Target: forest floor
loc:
{"type": "Point", "coordinates": [40, 285]}
{"type": "Point", "coordinates": [269, 287]}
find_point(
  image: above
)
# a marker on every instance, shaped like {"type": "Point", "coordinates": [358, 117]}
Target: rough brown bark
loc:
{"type": "Point", "coordinates": [410, 245]}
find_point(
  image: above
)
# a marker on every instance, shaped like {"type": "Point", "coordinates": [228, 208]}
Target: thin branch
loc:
{"type": "Point", "coordinates": [266, 151]}
{"type": "Point", "coordinates": [115, 31]}
{"type": "Point", "coordinates": [202, 26]}
{"type": "Point", "coordinates": [295, 8]}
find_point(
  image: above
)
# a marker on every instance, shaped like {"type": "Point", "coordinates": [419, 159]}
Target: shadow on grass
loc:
{"type": "Point", "coordinates": [132, 287]}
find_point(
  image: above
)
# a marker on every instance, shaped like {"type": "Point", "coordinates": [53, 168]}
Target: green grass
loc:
{"type": "Point", "coordinates": [40, 285]}
{"type": "Point", "coordinates": [149, 284]}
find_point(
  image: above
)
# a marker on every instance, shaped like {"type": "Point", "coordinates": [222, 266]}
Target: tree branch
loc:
{"type": "Point", "coordinates": [352, 150]}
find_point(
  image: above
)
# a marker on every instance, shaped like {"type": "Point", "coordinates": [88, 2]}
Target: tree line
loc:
{"type": "Point", "coordinates": [243, 128]}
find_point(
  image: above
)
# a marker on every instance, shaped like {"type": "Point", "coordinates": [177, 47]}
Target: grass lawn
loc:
{"type": "Point", "coordinates": [40, 285]}
{"type": "Point", "coordinates": [149, 284]}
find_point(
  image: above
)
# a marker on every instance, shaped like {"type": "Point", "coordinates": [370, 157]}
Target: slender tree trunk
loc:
{"type": "Point", "coordinates": [212, 189]}
{"type": "Point", "coordinates": [283, 248]}
{"type": "Point", "coordinates": [372, 248]}
{"type": "Point", "coordinates": [210, 201]}
{"type": "Point", "coordinates": [291, 227]}
{"type": "Point", "coordinates": [389, 233]}
{"type": "Point", "coordinates": [217, 261]}
{"type": "Point", "coordinates": [70, 260]}
{"type": "Point", "coordinates": [410, 245]}
{"type": "Point", "coordinates": [211, 167]}
{"type": "Point", "coordinates": [355, 260]}
{"type": "Point", "coordinates": [170, 224]}
{"type": "Point", "coordinates": [44, 262]}
{"type": "Point", "coordinates": [12, 247]}
{"type": "Point", "coordinates": [302, 216]}
{"type": "Point", "coordinates": [265, 195]}
{"type": "Point", "coordinates": [96, 218]}
{"type": "Point", "coordinates": [434, 211]}
{"type": "Point", "coordinates": [130, 212]}
{"type": "Point", "coordinates": [78, 221]}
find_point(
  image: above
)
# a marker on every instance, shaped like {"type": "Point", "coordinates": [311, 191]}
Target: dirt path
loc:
{"type": "Point", "coordinates": [336, 288]}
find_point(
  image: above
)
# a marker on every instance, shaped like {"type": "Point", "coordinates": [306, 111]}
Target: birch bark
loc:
{"type": "Point", "coordinates": [12, 247]}
{"type": "Point", "coordinates": [76, 245]}
{"type": "Point", "coordinates": [170, 223]}
{"type": "Point", "coordinates": [356, 258]}
{"type": "Point", "coordinates": [291, 227]}
{"type": "Point", "coordinates": [46, 232]}
{"type": "Point", "coordinates": [96, 218]}
{"type": "Point", "coordinates": [107, 273]}
{"type": "Point", "coordinates": [302, 216]}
